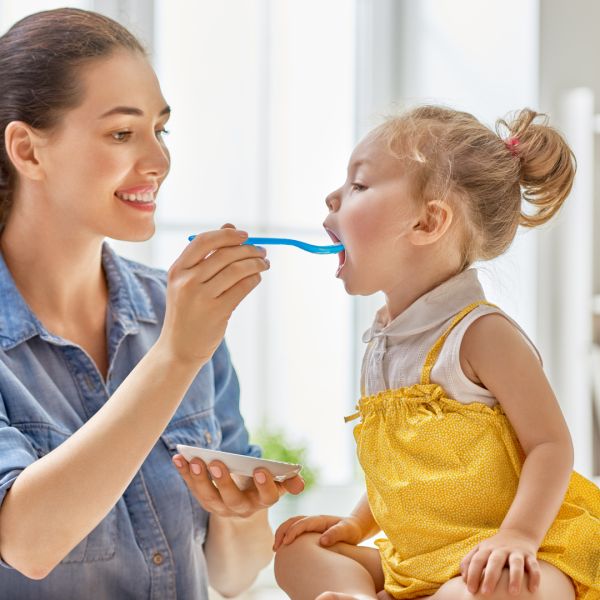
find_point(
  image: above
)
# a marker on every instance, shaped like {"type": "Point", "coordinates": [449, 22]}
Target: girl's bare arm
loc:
{"type": "Point", "coordinates": [496, 355]}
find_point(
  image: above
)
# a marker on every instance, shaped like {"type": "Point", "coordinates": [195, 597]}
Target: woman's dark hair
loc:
{"type": "Point", "coordinates": [39, 59]}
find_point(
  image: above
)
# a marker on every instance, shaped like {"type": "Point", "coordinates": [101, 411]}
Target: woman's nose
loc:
{"type": "Point", "coordinates": [156, 159]}
{"type": "Point", "coordinates": [333, 201]}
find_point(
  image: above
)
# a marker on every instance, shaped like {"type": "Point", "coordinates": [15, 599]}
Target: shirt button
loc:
{"type": "Point", "coordinates": [207, 437]}
{"type": "Point", "coordinates": [157, 559]}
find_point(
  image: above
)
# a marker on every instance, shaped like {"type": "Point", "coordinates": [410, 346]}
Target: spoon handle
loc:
{"type": "Point", "coordinates": [332, 249]}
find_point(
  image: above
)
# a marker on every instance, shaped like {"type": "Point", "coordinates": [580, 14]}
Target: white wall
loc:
{"type": "Point", "coordinates": [262, 127]}
{"type": "Point", "coordinates": [479, 57]}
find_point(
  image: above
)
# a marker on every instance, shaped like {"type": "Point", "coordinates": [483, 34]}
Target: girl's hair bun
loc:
{"type": "Point", "coordinates": [547, 164]}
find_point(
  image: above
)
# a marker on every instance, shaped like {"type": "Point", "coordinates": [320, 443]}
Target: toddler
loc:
{"type": "Point", "coordinates": [466, 455]}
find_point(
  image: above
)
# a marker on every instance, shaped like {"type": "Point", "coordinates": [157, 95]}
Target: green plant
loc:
{"type": "Point", "coordinates": [276, 446]}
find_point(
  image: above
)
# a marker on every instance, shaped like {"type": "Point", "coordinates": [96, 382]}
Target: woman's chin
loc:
{"type": "Point", "coordinates": [138, 235]}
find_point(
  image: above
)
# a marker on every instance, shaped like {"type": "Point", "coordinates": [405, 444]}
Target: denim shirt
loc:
{"type": "Point", "coordinates": [150, 545]}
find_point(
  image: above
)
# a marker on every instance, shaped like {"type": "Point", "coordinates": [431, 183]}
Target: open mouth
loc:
{"type": "Point", "coordinates": [341, 255]}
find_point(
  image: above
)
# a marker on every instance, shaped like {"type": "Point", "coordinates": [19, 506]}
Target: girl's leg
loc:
{"type": "Point", "coordinates": [304, 570]}
{"type": "Point", "coordinates": [554, 585]}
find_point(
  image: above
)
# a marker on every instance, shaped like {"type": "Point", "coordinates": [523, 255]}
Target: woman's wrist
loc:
{"type": "Point", "coordinates": [164, 353]}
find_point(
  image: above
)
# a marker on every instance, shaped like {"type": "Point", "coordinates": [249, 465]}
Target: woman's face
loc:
{"type": "Point", "coordinates": [104, 163]}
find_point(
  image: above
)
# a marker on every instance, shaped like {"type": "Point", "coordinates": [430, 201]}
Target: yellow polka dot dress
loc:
{"type": "Point", "coordinates": [441, 476]}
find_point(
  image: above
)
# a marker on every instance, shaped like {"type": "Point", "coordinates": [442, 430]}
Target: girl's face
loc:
{"type": "Point", "coordinates": [104, 163]}
{"type": "Point", "coordinates": [373, 215]}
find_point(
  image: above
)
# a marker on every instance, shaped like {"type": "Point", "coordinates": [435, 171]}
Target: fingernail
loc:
{"type": "Point", "coordinates": [196, 468]}
{"type": "Point", "coordinates": [260, 477]}
{"type": "Point", "coordinates": [215, 472]}
{"type": "Point", "coordinates": [268, 263]}
{"type": "Point", "coordinates": [178, 463]}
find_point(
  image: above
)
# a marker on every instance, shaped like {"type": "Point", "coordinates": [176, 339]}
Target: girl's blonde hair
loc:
{"type": "Point", "coordinates": [449, 155]}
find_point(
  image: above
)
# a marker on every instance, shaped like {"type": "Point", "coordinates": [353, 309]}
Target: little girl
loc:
{"type": "Point", "coordinates": [466, 455]}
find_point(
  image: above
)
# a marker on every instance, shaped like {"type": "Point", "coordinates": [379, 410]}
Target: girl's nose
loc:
{"type": "Point", "coordinates": [333, 201]}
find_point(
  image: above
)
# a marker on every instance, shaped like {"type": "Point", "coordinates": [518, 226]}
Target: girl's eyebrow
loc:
{"type": "Point", "coordinates": [131, 110]}
{"type": "Point", "coordinates": [359, 162]}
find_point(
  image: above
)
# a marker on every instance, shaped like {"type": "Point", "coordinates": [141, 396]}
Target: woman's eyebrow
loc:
{"type": "Point", "coordinates": [131, 110]}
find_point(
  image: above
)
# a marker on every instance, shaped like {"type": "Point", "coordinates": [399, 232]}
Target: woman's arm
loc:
{"type": "Point", "coordinates": [236, 550]}
{"type": "Point", "coordinates": [238, 529]}
{"type": "Point", "coordinates": [59, 499]}
{"type": "Point", "coordinates": [56, 501]}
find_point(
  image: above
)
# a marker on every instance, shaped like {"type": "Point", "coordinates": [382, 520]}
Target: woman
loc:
{"type": "Point", "coordinates": [106, 365]}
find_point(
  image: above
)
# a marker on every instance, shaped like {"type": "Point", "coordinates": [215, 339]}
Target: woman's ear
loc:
{"type": "Point", "coordinates": [21, 142]}
{"type": "Point", "coordinates": [432, 223]}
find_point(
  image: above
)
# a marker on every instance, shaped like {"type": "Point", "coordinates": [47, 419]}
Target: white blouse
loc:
{"type": "Point", "coordinates": [396, 352]}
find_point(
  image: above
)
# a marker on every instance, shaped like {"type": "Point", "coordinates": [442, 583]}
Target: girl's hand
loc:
{"type": "Point", "coordinates": [508, 548]}
{"type": "Point", "coordinates": [217, 493]}
{"type": "Point", "coordinates": [334, 529]}
{"type": "Point", "coordinates": [205, 284]}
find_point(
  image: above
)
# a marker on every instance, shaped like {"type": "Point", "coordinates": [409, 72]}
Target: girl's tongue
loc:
{"type": "Point", "coordinates": [341, 255]}
{"type": "Point", "coordinates": [342, 261]}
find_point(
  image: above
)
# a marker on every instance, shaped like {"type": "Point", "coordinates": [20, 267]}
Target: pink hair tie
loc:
{"type": "Point", "coordinates": [512, 144]}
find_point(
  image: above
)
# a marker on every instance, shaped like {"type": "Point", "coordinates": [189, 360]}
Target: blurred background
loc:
{"type": "Point", "coordinates": [269, 98]}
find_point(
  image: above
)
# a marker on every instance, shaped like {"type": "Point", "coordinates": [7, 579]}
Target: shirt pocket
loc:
{"type": "Point", "coordinates": [100, 543]}
{"type": "Point", "coordinates": [199, 429]}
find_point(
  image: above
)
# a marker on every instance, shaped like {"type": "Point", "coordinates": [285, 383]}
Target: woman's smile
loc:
{"type": "Point", "coordinates": [141, 197]}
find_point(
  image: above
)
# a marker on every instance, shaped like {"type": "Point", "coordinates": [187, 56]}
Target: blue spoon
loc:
{"type": "Point", "coordinates": [288, 242]}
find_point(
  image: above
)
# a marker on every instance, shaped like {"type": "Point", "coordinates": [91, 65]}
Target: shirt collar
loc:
{"type": "Point", "coordinates": [128, 298]}
{"type": "Point", "coordinates": [431, 309]}
{"type": "Point", "coordinates": [128, 302]}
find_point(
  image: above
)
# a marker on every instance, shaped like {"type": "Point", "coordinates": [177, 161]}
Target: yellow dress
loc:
{"type": "Point", "coordinates": [441, 477]}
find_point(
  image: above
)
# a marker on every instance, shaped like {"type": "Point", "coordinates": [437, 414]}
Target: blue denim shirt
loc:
{"type": "Point", "coordinates": [151, 543]}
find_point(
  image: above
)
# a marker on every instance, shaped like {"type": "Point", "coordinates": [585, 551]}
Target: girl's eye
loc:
{"type": "Point", "coordinates": [121, 136]}
{"type": "Point", "coordinates": [161, 132]}
{"type": "Point", "coordinates": [358, 187]}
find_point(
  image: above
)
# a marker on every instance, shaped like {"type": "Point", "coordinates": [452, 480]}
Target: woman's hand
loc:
{"type": "Point", "coordinates": [508, 548]}
{"type": "Point", "coordinates": [218, 493]}
{"type": "Point", "coordinates": [205, 284]}
{"type": "Point", "coordinates": [334, 529]}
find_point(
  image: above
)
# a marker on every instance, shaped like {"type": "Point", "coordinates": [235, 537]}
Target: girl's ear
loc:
{"type": "Point", "coordinates": [432, 223]}
{"type": "Point", "coordinates": [21, 142]}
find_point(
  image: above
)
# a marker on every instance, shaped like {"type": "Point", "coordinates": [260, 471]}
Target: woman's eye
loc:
{"type": "Point", "coordinates": [161, 132]}
{"type": "Point", "coordinates": [121, 136]}
{"type": "Point", "coordinates": [358, 187]}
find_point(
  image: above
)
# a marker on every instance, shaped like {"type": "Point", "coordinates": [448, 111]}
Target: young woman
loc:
{"type": "Point", "coordinates": [106, 365]}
